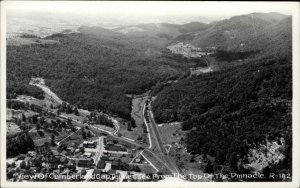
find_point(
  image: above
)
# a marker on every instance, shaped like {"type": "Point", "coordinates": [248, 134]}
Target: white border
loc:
{"type": "Point", "coordinates": [294, 6]}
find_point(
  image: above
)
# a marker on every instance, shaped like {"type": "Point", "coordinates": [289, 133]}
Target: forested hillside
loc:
{"type": "Point", "coordinates": [270, 33]}
{"type": "Point", "coordinates": [232, 110]}
{"type": "Point", "coordinates": [95, 68]}
{"type": "Point", "coordinates": [90, 72]}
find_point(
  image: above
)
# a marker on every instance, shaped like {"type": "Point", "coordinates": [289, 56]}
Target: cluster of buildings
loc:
{"type": "Point", "coordinates": [90, 144]}
{"type": "Point", "coordinates": [113, 146]}
{"type": "Point", "coordinates": [45, 159]}
{"type": "Point", "coordinates": [115, 155]}
{"type": "Point", "coordinates": [37, 165]}
{"type": "Point", "coordinates": [67, 154]}
{"type": "Point", "coordinates": [74, 160]}
{"type": "Point", "coordinates": [189, 51]}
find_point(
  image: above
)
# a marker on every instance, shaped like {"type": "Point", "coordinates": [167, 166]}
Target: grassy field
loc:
{"type": "Point", "coordinates": [45, 103]}
{"type": "Point", "coordinates": [171, 133]}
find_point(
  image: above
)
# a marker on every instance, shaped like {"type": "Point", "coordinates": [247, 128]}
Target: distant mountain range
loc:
{"type": "Point", "coordinates": [43, 23]}
{"type": "Point", "coordinates": [256, 31]}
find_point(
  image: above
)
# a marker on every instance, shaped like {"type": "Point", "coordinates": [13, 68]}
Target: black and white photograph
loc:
{"type": "Point", "coordinates": [163, 92]}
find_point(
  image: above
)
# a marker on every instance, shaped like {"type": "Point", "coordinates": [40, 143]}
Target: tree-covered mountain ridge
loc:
{"type": "Point", "coordinates": [251, 32]}
{"type": "Point", "coordinates": [130, 62]}
{"type": "Point", "coordinates": [271, 33]}
{"type": "Point", "coordinates": [231, 111]}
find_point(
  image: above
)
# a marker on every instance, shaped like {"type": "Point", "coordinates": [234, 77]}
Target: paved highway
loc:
{"type": "Point", "coordinates": [160, 145]}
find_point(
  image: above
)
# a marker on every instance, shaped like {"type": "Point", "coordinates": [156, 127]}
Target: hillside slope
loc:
{"type": "Point", "coordinates": [231, 111]}
{"type": "Point", "coordinates": [257, 31]}
{"type": "Point", "coordinates": [93, 72]}
{"type": "Point", "coordinates": [97, 67]}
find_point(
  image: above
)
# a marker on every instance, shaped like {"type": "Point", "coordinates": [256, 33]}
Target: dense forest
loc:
{"type": "Point", "coordinates": [229, 56]}
{"type": "Point", "coordinates": [95, 68]}
{"type": "Point", "coordinates": [88, 71]}
{"type": "Point", "coordinates": [229, 111]}
{"type": "Point", "coordinates": [270, 33]}
{"type": "Point", "coordinates": [22, 88]}
{"type": "Point", "coordinates": [21, 143]}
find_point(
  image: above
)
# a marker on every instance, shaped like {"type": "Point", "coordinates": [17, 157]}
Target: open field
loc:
{"type": "Point", "coordinates": [173, 136]}
{"type": "Point", "coordinates": [137, 134]}
{"type": "Point", "coordinates": [45, 103]}
{"type": "Point", "coordinates": [171, 133]}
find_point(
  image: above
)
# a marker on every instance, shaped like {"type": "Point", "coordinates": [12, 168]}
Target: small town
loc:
{"type": "Point", "coordinates": [70, 143]}
{"type": "Point", "coordinates": [190, 51]}
{"type": "Point", "coordinates": [84, 147]}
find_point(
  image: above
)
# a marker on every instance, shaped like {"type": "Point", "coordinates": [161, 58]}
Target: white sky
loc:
{"type": "Point", "coordinates": [212, 9]}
